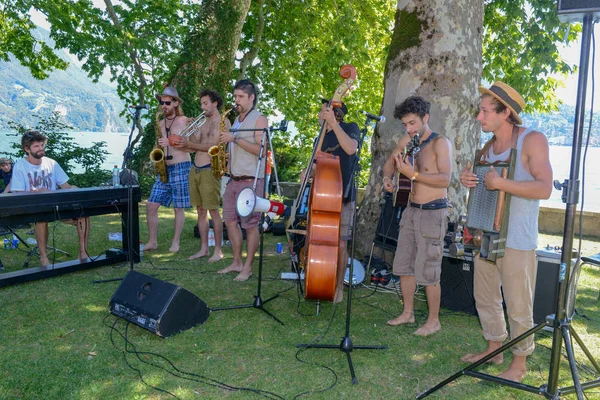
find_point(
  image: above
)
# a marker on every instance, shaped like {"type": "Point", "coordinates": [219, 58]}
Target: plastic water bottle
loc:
{"type": "Point", "coordinates": [115, 177]}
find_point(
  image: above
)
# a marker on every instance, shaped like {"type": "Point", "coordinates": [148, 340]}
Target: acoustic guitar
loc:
{"type": "Point", "coordinates": [402, 184]}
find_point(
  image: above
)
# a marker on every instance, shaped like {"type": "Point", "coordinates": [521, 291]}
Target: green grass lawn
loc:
{"type": "Point", "coordinates": [56, 340]}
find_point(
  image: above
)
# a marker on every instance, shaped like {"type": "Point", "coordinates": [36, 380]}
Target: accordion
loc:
{"type": "Point", "coordinates": [488, 210]}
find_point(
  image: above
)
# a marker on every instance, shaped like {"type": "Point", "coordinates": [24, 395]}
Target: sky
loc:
{"type": "Point", "coordinates": [568, 94]}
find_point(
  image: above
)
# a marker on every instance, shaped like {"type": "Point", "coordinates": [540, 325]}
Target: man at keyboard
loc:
{"type": "Point", "coordinates": [37, 173]}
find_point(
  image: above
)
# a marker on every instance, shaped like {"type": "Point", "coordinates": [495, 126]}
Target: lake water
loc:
{"type": "Point", "coordinates": [115, 144]}
{"type": "Point", "coordinates": [560, 157]}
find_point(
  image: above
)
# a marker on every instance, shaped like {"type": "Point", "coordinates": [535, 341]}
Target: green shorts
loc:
{"type": "Point", "coordinates": [204, 188]}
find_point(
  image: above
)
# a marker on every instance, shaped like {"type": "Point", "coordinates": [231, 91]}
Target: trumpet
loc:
{"type": "Point", "coordinates": [191, 129]}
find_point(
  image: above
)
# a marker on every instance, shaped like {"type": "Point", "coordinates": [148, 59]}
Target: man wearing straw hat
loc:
{"type": "Point", "coordinates": [515, 273]}
{"type": "Point", "coordinates": [176, 190]}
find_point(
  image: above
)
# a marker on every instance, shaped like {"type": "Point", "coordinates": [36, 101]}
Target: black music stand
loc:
{"type": "Point", "coordinates": [346, 346]}
{"type": "Point", "coordinates": [560, 321]}
{"type": "Point", "coordinates": [258, 302]}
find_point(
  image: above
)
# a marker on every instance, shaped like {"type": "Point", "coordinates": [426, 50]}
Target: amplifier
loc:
{"type": "Point", "coordinates": [456, 283]}
{"type": "Point", "coordinates": [546, 283]}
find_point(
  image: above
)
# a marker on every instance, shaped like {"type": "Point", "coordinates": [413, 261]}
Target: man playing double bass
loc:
{"type": "Point", "coordinates": [418, 258]}
{"type": "Point", "coordinates": [341, 139]}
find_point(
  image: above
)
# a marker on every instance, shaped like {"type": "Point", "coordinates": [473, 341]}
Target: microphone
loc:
{"type": "Point", "coordinates": [378, 118]}
{"type": "Point", "coordinates": [140, 107]}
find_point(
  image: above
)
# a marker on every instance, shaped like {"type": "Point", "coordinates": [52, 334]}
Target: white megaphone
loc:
{"type": "Point", "coordinates": [248, 202]}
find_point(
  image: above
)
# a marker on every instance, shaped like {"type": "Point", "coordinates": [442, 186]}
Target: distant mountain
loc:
{"type": "Point", "coordinates": [86, 105]}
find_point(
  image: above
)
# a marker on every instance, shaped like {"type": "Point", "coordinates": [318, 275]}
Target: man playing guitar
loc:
{"type": "Point", "coordinates": [423, 225]}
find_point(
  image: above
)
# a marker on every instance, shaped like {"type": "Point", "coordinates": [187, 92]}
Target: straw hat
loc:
{"type": "Point", "coordinates": [507, 96]}
{"type": "Point", "coordinates": [169, 91]}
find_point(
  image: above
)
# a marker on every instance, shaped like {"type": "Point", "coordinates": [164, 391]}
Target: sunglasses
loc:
{"type": "Point", "coordinates": [165, 103]}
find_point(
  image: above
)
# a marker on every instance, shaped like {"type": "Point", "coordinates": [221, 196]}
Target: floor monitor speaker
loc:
{"type": "Point", "coordinates": [160, 307]}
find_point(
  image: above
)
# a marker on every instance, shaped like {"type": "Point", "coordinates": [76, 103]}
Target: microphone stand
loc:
{"type": "Point", "coordinates": [258, 301]}
{"type": "Point", "coordinates": [346, 345]}
{"type": "Point", "coordinates": [132, 235]}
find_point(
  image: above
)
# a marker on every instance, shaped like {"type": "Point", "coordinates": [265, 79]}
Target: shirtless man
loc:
{"type": "Point", "coordinates": [424, 223]}
{"type": "Point", "coordinates": [176, 190]}
{"type": "Point", "coordinates": [204, 187]}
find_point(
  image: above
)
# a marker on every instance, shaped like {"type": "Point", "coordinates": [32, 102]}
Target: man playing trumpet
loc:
{"type": "Point", "coordinates": [204, 186]}
{"type": "Point", "coordinates": [176, 190]}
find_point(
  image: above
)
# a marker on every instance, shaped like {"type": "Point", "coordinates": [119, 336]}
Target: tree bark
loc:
{"type": "Point", "coordinates": [208, 60]}
{"type": "Point", "coordinates": [435, 53]}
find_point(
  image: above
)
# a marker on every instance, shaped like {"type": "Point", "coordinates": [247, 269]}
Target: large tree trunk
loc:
{"type": "Point", "coordinates": [435, 53]}
{"type": "Point", "coordinates": [208, 60]}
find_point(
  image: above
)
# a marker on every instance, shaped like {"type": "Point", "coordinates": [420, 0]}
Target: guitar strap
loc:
{"type": "Point", "coordinates": [427, 141]}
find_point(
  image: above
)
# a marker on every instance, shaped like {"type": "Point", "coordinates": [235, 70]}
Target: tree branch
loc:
{"type": "Point", "coordinates": [249, 57]}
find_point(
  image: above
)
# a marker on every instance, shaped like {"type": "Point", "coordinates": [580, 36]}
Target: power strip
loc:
{"type": "Point", "coordinates": [291, 276]}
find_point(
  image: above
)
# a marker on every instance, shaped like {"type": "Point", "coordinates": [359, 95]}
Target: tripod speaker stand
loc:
{"type": "Point", "coordinates": [565, 305]}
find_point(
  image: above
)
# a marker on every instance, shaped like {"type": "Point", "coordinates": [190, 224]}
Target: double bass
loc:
{"type": "Point", "coordinates": [324, 212]}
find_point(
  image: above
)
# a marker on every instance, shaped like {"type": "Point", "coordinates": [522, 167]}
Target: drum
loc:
{"type": "Point", "coordinates": [358, 273]}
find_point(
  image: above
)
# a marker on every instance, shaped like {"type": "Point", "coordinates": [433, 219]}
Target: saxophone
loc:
{"type": "Point", "coordinates": [157, 156]}
{"type": "Point", "coordinates": [218, 153]}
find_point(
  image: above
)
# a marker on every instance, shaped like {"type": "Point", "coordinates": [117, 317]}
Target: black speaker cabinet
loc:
{"type": "Point", "coordinates": [457, 284]}
{"type": "Point", "coordinates": [546, 284]}
{"type": "Point", "coordinates": [388, 226]}
{"type": "Point", "coordinates": [160, 307]}
{"type": "Point", "coordinates": [574, 10]}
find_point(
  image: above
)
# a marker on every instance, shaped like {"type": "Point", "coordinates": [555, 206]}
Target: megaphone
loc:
{"type": "Point", "coordinates": [248, 202]}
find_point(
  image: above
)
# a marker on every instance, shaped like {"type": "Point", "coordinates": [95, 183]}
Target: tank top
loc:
{"type": "Point", "coordinates": [523, 218]}
{"type": "Point", "coordinates": [242, 162]}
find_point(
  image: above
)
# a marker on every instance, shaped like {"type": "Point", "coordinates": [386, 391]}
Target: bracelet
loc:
{"type": "Point", "coordinates": [386, 177]}
{"type": "Point", "coordinates": [414, 177]}
{"type": "Point", "coordinates": [236, 139]}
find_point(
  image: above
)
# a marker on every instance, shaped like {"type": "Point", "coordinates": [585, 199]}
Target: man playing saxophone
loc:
{"type": "Point", "coordinates": [244, 148]}
{"type": "Point", "coordinates": [176, 190]}
{"type": "Point", "coordinates": [204, 186]}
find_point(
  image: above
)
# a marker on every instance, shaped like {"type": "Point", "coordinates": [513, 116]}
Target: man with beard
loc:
{"type": "Point", "coordinates": [513, 275]}
{"type": "Point", "coordinates": [39, 174]}
{"type": "Point", "coordinates": [418, 258]}
{"type": "Point", "coordinates": [244, 148]}
{"type": "Point", "coordinates": [204, 187]}
{"type": "Point", "coordinates": [176, 190]}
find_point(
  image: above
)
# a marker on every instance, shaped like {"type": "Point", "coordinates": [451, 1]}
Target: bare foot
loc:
{"type": "Point", "coordinates": [408, 318]}
{"type": "Point", "coordinates": [472, 358]}
{"type": "Point", "coordinates": [199, 254]}
{"type": "Point", "coordinates": [514, 374]}
{"type": "Point", "coordinates": [216, 257]}
{"type": "Point", "coordinates": [339, 296]}
{"type": "Point", "coordinates": [429, 328]}
{"type": "Point", "coordinates": [150, 246]}
{"type": "Point", "coordinates": [174, 248]}
{"type": "Point", "coordinates": [44, 262]}
{"type": "Point", "coordinates": [231, 268]}
{"type": "Point", "coordinates": [243, 276]}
